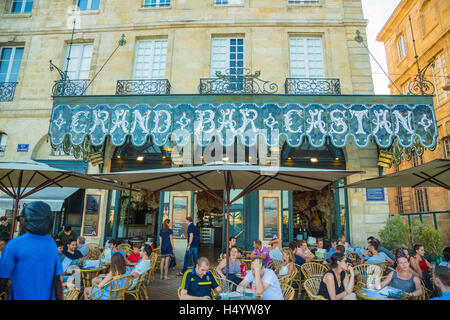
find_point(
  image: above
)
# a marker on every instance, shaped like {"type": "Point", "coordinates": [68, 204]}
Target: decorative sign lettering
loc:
{"type": "Point", "coordinates": [246, 121]}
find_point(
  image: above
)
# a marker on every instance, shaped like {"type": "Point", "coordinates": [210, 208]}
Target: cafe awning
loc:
{"type": "Point", "coordinates": [53, 196]}
{"type": "Point", "coordinates": [435, 173]}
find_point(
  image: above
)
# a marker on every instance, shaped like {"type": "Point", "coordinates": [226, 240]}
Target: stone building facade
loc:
{"type": "Point", "coordinates": [184, 37]}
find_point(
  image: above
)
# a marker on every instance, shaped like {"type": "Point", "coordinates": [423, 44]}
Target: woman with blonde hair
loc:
{"type": "Point", "coordinates": [287, 267]}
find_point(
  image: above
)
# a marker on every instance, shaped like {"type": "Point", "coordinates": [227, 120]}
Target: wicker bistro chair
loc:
{"type": "Point", "coordinates": [139, 292]}
{"type": "Point", "coordinates": [93, 254]}
{"type": "Point", "coordinates": [384, 266]}
{"type": "Point", "coordinates": [311, 286]}
{"type": "Point", "coordinates": [275, 263]}
{"type": "Point", "coordinates": [88, 274]}
{"type": "Point", "coordinates": [227, 285]}
{"type": "Point", "coordinates": [119, 285]}
{"type": "Point", "coordinates": [3, 296]}
{"type": "Point", "coordinates": [297, 279]}
{"type": "Point", "coordinates": [92, 246]}
{"type": "Point", "coordinates": [157, 252]}
{"type": "Point", "coordinates": [289, 279]}
{"type": "Point", "coordinates": [71, 294]}
{"type": "Point", "coordinates": [354, 256]}
{"type": "Point", "coordinates": [362, 271]}
{"type": "Point", "coordinates": [126, 248]}
{"type": "Point", "coordinates": [426, 293]}
{"type": "Point", "coordinates": [313, 269]}
{"type": "Point", "coordinates": [150, 275]}
{"type": "Point", "coordinates": [288, 291]}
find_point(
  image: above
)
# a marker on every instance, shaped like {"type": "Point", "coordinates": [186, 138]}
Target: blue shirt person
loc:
{"type": "Point", "coordinates": [32, 259]}
{"type": "Point", "coordinates": [198, 282]}
{"type": "Point", "coordinates": [441, 277]}
{"type": "Point", "coordinates": [192, 245]}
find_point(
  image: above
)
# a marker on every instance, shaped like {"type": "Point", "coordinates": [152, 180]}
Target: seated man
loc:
{"type": "Point", "coordinates": [441, 278]}
{"type": "Point", "coordinates": [319, 252]}
{"type": "Point", "coordinates": [143, 265]}
{"type": "Point", "coordinates": [82, 247]}
{"type": "Point", "coordinates": [298, 259]}
{"type": "Point", "coordinates": [332, 249]}
{"type": "Point", "coordinates": [382, 249]}
{"type": "Point", "coordinates": [198, 282]}
{"type": "Point", "coordinates": [71, 252]}
{"type": "Point", "coordinates": [446, 262]}
{"type": "Point", "coordinates": [112, 244]}
{"type": "Point", "coordinates": [375, 255]}
{"type": "Point", "coordinates": [260, 251]}
{"type": "Point", "coordinates": [263, 279]}
{"type": "Point", "coordinates": [67, 234]}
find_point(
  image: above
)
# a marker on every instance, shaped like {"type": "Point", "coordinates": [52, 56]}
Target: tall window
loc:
{"type": "Point", "coordinates": [401, 47]}
{"type": "Point", "coordinates": [150, 61]}
{"type": "Point", "coordinates": [306, 58]}
{"type": "Point", "coordinates": [227, 53]}
{"type": "Point", "coordinates": [446, 143]}
{"type": "Point", "coordinates": [400, 200]}
{"type": "Point", "coordinates": [21, 6]}
{"type": "Point", "coordinates": [79, 64]}
{"type": "Point", "coordinates": [10, 59]}
{"type": "Point", "coordinates": [421, 196]}
{"type": "Point", "coordinates": [88, 4]}
{"type": "Point", "coordinates": [439, 69]}
{"type": "Point", "coordinates": [156, 3]}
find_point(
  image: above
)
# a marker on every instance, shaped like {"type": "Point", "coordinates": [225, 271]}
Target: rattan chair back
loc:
{"type": "Point", "coordinates": [311, 286]}
{"type": "Point", "coordinates": [288, 291]}
{"type": "Point", "coordinates": [71, 294]}
{"type": "Point", "coordinates": [313, 269]}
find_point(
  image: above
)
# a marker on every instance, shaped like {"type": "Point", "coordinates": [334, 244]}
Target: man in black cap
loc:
{"type": "Point", "coordinates": [32, 259]}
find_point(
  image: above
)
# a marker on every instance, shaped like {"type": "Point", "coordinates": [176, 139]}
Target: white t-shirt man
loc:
{"type": "Point", "coordinates": [141, 267]}
{"type": "Point", "coordinates": [273, 292]}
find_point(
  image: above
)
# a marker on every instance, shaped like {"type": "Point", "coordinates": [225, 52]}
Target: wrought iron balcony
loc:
{"type": "Point", "coordinates": [143, 87]}
{"type": "Point", "coordinates": [70, 87]}
{"type": "Point", "coordinates": [236, 84]}
{"type": "Point", "coordinates": [7, 90]}
{"type": "Point", "coordinates": [312, 86]}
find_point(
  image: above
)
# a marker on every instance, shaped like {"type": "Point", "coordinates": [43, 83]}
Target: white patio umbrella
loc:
{"type": "Point", "coordinates": [435, 173]}
{"type": "Point", "coordinates": [228, 177]}
{"type": "Point", "coordinates": [21, 179]}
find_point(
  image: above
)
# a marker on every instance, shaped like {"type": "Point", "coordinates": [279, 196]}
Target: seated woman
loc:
{"type": "Point", "coordinates": [118, 267]}
{"type": "Point", "coordinates": [421, 265]}
{"type": "Point", "coordinates": [304, 252]}
{"type": "Point", "coordinates": [319, 252]}
{"type": "Point", "coordinates": [335, 285]}
{"type": "Point", "coordinates": [234, 265]}
{"type": "Point", "coordinates": [375, 255]}
{"type": "Point", "coordinates": [287, 267]}
{"type": "Point", "coordinates": [403, 279]}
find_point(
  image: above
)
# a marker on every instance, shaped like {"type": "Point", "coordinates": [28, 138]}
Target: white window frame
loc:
{"type": "Point", "coordinates": [439, 79]}
{"type": "Point", "coordinates": [227, 52]}
{"type": "Point", "coordinates": [22, 10]}
{"type": "Point", "coordinates": [401, 47]}
{"type": "Point", "coordinates": [88, 6]}
{"type": "Point", "coordinates": [307, 60]}
{"type": "Point", "coordinates": [158, 4]}
{"type": "Point", "coordinates": [11, 61]}
{"type": "Point", "coordinates": [151, 60]}
{"type": "Point", "coordinates": [421, 197]}
{"type": "Point", "coordinates": [78, 69]}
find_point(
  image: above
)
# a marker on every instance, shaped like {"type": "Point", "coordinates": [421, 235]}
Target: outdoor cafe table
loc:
{"type": "Point", "coordinates": [87, 274]}
{"type": "Point", "coordinates": [237, 296]}
{"type": "Point", "coordinates": [375, 295]}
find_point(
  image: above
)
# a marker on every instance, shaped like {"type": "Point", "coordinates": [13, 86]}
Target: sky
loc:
{"type": "Point", "coordinates": [378, 12]}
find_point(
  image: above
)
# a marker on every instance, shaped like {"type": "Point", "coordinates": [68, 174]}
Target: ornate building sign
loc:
{"type": "Point", "coordinates": [405, 122]}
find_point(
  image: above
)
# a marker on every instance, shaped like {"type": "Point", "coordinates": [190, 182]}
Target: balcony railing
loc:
{"type": "Point", "coordinates": [70, 87]}
{"type": "Point", "coordinates": [7, 90]}
{"type": "Point", "coordinates": [143, 87]}
{"type": "Point", "coordinates": [312, 86]}
{"type": "Point", "coordinates": [236, 84]}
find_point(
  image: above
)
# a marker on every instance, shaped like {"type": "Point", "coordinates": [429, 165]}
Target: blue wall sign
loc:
{"type": "Point", "coordinates": [22, 147]}
{"type": "Point", "coordinates": [374, 194]}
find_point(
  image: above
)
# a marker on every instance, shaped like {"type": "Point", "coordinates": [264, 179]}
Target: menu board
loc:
{"type": "Point", "coordinates": [91, 214]}
{"type": "Point", "coordinates": [179, 214]}
{"type": "Point", "coordinates": [270, 217]}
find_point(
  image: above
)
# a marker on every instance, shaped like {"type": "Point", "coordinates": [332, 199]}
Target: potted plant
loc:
{"type": "Point", "coordinates": [430, 239]}
{"type": "Point", "coordinates": [395, 234]}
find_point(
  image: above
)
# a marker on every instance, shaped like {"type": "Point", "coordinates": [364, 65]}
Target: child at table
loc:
{"type": "Point", "coordinates": [135, 256]}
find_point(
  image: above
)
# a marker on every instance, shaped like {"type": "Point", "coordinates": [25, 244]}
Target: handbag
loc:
{"type": "Point", "coordinates": [172, 262]}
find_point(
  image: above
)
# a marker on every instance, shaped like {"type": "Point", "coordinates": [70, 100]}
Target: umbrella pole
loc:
{"type": "Point", "coordinates": [129, 208]}
{"type": "Point", "coordinates": [15, 214]}
{"type": "Point", "coordinates": [227, 255]}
